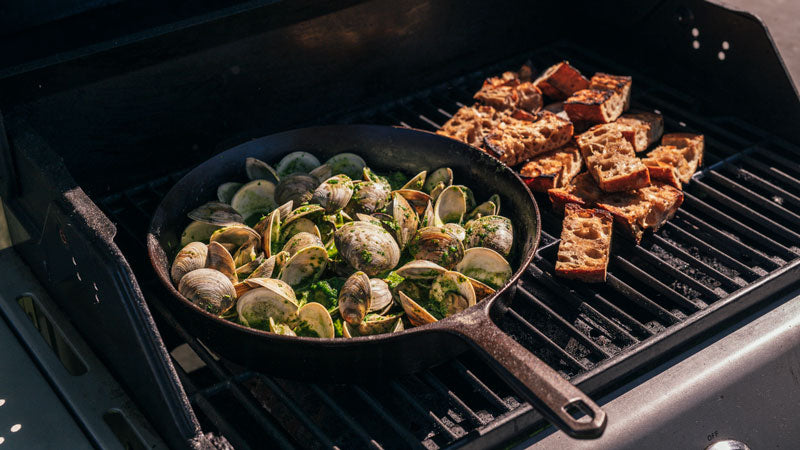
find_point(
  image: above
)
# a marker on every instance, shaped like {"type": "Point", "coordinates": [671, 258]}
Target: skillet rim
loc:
{"type": "Point", "coordinates": [448, 324]}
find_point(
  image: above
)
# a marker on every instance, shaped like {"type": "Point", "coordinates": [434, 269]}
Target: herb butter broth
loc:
{"type": "Point", "coordinates": [376, 233]}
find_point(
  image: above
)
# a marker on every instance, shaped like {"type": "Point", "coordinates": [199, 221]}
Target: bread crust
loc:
{"type": "Point", "coordinates": [693, 146]}
{"type": "Point", "coordinates": [508, 93]}
{"type": "Point", "coordinates": [521, 136]}
{"type": "Point", "coordinates": [618, 83]}
{"type": "Point", "coordinates": [641, 129]}
{"type": "Point", "coordinates": [470, 124]}
{"type": "Point", "coordinates": [611, 160]}
{"type": "Point", "coordinates": [552, 169]}
{"type": "Point", "coordinates": [668, 164]}
{"type": "Point", "coordinates": [594, 105]}
{"type": "Point", "coordinates": [585, 246]}
{"type": "Point", "coordinates": [559, 81]}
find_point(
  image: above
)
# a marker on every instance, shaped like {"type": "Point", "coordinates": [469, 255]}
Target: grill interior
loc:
{"type": "Point", "coordinates": [736, 230]}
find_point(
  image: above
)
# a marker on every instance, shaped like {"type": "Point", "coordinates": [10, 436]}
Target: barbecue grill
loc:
{"type": "Point", "coordinates": [98, 126]}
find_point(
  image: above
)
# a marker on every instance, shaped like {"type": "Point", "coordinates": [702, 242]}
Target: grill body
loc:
{"type": "Point", "coordinates": [98, 133]}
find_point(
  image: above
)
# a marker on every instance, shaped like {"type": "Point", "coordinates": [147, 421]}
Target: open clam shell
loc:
{"type": "Point", "coordinates": [453, 291]}
{"type": "Point", "coordinates": [220, 259]}
{"type": "Point", "coordinates": [191, 257]}
{"type": "Point", "coordinates": [305, 266]}
{"type": "Point", "coordinates": [226, 191]}
{"type": "Point", "coordinates": [310, 212]}
{"type": "Point", "coordinates": [417, 199]}
{"type": "Point", "coordinates": [301, 225]}
{"type": "Point", "coordinates": [416, 182]}
{"type": "Point", "coordinates": [247, 253]}
{"type": "Point", "coordinates": [349, 164]}
{"type": "Point", "coordinates": [416, 314]}
{"type": "Point", "coordinates": [255, 307]}
{"type": "Point", "coordinates": [438, 245]}
{"type": "Point", "coordinates": [314, 319]}
{"type": "Point", "coordinates": [197, 232]}
{"type": "Point", "coordinates": [297, 187]}
{"type": "Point", "coordinates": [368, 197]}
{"type": "Point", "coordinates": [456, 230]}
{"type": "Point", "coordinates": [235, 236]}
{"type": "Point", "coordinates": [323, 172]}
{"type": "Point", "coordinates": [208, 289]}
{"type": "Point", "coordinates": [270, 234]}
{"type": "Point", "coordinates": [381, 297]}
{"type": "Point", "coordinates": [255, 197]}
{"type": "Point", "coordinates": [405, 220]}
{"type": "Point", "coordinates": [377, 324]}
{"type": "Point", "coordinates": [334, 193]}
{"type": "Point", "coordinates": [259, 170]}
{"type": "Point", "coordinates": [420, 269]}
{"type": "Point", "coordinates": [300, 241]}
{"type": "Point", "coordinates": [487, 208]}
{"type": "Point", "coordinates": [280, 328]}
{"type": "Point", "coordinates": [485, 265]}
{"type": "Point", "coordinates": [245, 270]}
{"type": "Point", "coordinates": [216, 213]}
{"type": "Point", "coordinates": [450, 207]}
{"type": "Point", "coordinates": [297, 162]}
{"type": "Point", "coordinates": [443, 175]}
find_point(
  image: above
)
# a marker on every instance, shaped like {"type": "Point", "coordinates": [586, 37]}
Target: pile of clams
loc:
{"type": "Point", "coordinates": [337, 250]}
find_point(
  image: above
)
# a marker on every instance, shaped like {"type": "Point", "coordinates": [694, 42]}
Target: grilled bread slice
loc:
{"type": "Point", "coordinates": [635, 211]}
{"type": "Point", "coordinates": [693, 144]}
{"type": "Point", "coordinates": [521, 136]}
{"type": "Point", "coordinates": [611, 159]}
{"type": "Point", "coordinates": [506, 93]}
{"type": "Point", "coordinates": [583, 252]}
{"type": "Point", "coordinates": [560, 81]}
{"type": "Point", "coordinates": [470, 124]}
{"type": "Point", "coordinates": [594, 105]}
{"type": "Point", "coordinates": [552, 169]}
{"type": "Point", "coordinates": [641, 129]}
{"type": "Point", "coordinates": [668, 164]}
{"type": "Point", "coordinates": [617, 83]}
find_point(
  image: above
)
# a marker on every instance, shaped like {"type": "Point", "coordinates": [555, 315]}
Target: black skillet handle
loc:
{"type": "Point", "coordinates": [540, 385]}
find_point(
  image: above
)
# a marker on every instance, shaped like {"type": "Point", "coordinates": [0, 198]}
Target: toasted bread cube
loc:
{"type": "Point", "coordinates": [641, 129]}
{"type": "Point", "coordinates": [694, 143]}
{"type": "Point", "coordinates": [585, 246]}
{"type": "Point", "coordinates": [617, 83]}
{"type": "Point", "coordinates": [611, 159]}
{"type": "Point", "coordinates": [664, 202]}
{"type": "Point", "coordinates": [470, 124]}
{"type": "Point", "coordinates": [593, 105]}
{"type": "Point", "coordinates": [553, 169]}
{"type": "Point", "coordinates": [668, 164]}
{"type": "Point", "coordinates": [521, 136]}
{"type": "Point", "coordinates": [560, 81]}
{"type": "Point", "coordinates": [582, 191]}
{"type": "Point", "coordinates": [508, 93]}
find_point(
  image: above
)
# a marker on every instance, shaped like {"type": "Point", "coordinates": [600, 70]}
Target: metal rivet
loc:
{"type": "Point", "coordinates": [725, 45]}
{"type": "Point", "coordinates": [695, 32]}
{"type": "Point", "coordinates": [2, 401]}
{"type": "Point", "coordinates": [721, 56]}
{"type": "Point", "coordinates": [696, 44]}
{"type": "Point", "coordinates": [16, 427]}
{"type": "Point", "coordinates": [2, 439]}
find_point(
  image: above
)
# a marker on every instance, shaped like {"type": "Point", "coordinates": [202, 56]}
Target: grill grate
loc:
{"type": "Point", "coordinates": [735, 231]}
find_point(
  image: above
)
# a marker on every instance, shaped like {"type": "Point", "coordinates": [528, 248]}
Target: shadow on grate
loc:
{"type": "Point", "coordinates": [736, 230]}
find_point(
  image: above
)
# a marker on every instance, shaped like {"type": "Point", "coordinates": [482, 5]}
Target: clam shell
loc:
{"type": "Point", "coordinates": [298, 226]}
{"type": "Point", "coordinates": [259, 170]}
{"type": "Point", "coordinates": [300, 241]}
{"type": "Point", "coordinates": [420, 269]}
{"type": "Point", "coordinates": [216, 213]}
{"type": "Point", "coordinates": [450, 207]}
{"type": "Point", "coordinates": [487, 208]}
{"type": "Point", "coordinates": [416, 314]}
{"type": "Point", "coordinates": [496, 200]}
{"type": "Point", "coordinates": [306, 265]}
{"type": "Point", "coordinates": [416, 182]}
{"type": "Point", "coordinates": [494, 232]}
{"type": "Point", "coordinates": [271, 233]}
{"type": "Point", "coordinates": [405, 219]}
{"type": "Point", "coordinates": [485, 265]}
{"type": "Point", "coordinates": [368, 197]}
{"type": "Point", "coordinates": [355, 298]}
{"type": "Point", "coordinates": [208, 289]}
{"type": "Point", "coordinates": [437, 190]}
{"type": "Point", "coordinates": [454, 291]}
{"type": "Point", "coordinates": [191, 257]}
{"type": "Point", "coordinates": [367, 247]}
{"type": "Point", "coordinates": [235, 236]}
{"type": "Point", "coordinates": [323, 172]}
{"type": "Point", "coordinates": [334, 193]}
{"type": "Point", "coordinates": [417, 199]}
{"type": "Point", "coordinates": [349, 164]}
{"type": "Point", "coordinates": [220, 259]}
{"type": "Point", "coordinates": [225, 191]}
{"type": "Point", "coordinates": [381, 295]}
{"type": "Point", "coordinates": [377, 324]}
{"type": "Point", "coordinates": [310, 212]}
{"type": "Point", "coordinates": [246, 270]}
{"type": "Point", "coordinates": [427, 219]}
{"type": "Point", "coordinates": [443, 175]}
{"type": "Point", "coordinates": [297, 187]}
{"type": "Point", "coordinates": [438, 245]}
{"type": "Point", "coordinates": [296, 162]}
{"type": "Point", "coordinates": [255, 197]}
{"type": "Point", "coordinates": [246, 254]}
{"type": "Point", "coordinates": [456, 230]}
{"type": "Point", "coordinates": [277, 286]}
{"type": "Point", "coordinates": [197, 232]}
{"type": "Point", "coordinates": [317, 318]}
{"type": "Point", "coordinates": [280, 328]}
{"type": "Point", "coordinates": [255, 307]}
{"type": "Point", "coordinates": [481, 290]}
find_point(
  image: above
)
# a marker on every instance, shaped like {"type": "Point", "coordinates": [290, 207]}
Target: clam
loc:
{"type": "Point", "coordinates": [296, 162]}
{"type": "Point", "coordinates": [355, 298]}
{"type": "Point", "coordinates": [420, 269]}
{"type": "Point", "coordinates": [300, 241]}
{"type": "Point", "coordinates": [481, 290]}
{"type": "Point", "coordinates": [255, 197]}
{"type": "Point", "coordinates": [405, 220]}
{"type": "Point", "coordinates": [220, 259]}
{"type": "Point", "coordinates": [367, 247]}
{"type": "Point", "coordinates": [247, 253]}
{"type": "Point", "coordinates": [437, 190]}
{"type": "Point", "coordinates": [494, 232]}
{"type": "Point", "coordinates": [216, 213]}
{"type": "Point", "coordinates": [349, 164]}
{"type": "Point", "coordinates": [375, 220]}
{"type": "Point", "coordinates": [270, 266]}
{"type": "Point", "coordinates": [280, 328]}
{"type": "Point", "coordinates": [301, 225]}
{"type": "Point", "coordinates": [305, 266]}
{"type": "Point", "coordinates": [416, 182]}
{"type": "Point", "coordinates": [438, 245]}
{"type": "Point", "coordinates": [427, 219]}
{"type": "Point", "coordinates": [256, 306]}
{"type": "Point", "coordinates": [456, 230]}
{"type": "Point", "coordinates": [334, 193]}
{"type": "Point", "coordinates": [191, 257]}
{"type": "Point", "coordinates": [197, 232]}
{"type": "Point", "coordinates": [270, 235]}
{"type": "Point", "coordinates": [310, 212]}
{"type": "Point", "coordinates": [373, 177]}
{"type": "Point", "coordinates": [418, 199]}
{"type": "Point", "coordinates": [225, 191]}
{"type": "Point", "coordinates": [234, 236]}
{"type": "Point", "coordinates": [259, 170]}
{"type": "Point", "coordinates": [487, 208]}
{"type": "Point", "coordinates": [496, 200]}
{"type": "Point", "coordinates": [368, 197]}
{"type": "Point", "coordinates": [286, 209]}
{"type": "Point", "coordinates": [377, 324]}
{"type": "Point", "coordinates": [443, 175]}
{"type": "Point", "coordinates": [453, 291]}
{"type": "Point", "coordinates": [208, 289]}
{"type": "Point", "coordinates": [416, 314]}
{"type": "Point", "coordinates": [245, 270]}
{"type": "Point", "coordinates": [314, 320]}
{"type": "Point", "coordinates": [297, 187]}
{"type": "Point", "coordinates": [468, 195]}
{"type": "Point", "coordinates": [450, 207]}
{"type": "Point", "coordinates": [381, 296]}
{"type": "Point", "coordinates": [322, 172]}
{"type": "Point", "coordinates": [485, 265]}
{"type": "Point", "coordinates": [278, 286]}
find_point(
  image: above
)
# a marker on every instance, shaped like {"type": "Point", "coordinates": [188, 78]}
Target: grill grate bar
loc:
{"type": "Point", "coordinates": [649, 280]}
{"type": "Point", "coordinates": [713, 251]}
{"type": "Point", "coordinates": [229, 431]}
{"type": "Point", "coordinates": [757, 180]}
{"type": "Point", "coordinates": [422, 411]}
{"type": "Point", "coordinates": [552, 346]}
{"type": "Point", "coordinates": [664, 266]}
{"type": "Point", "coordinates": [741, 228]}
{"type": "Point", "coordinates": [480, 386]}
{"type": "Point", "coordinates": [580, 337]}
{"type": "Point", "coordinates": [636, 296]}
{"type": "Point", "coordinates": [781, 161]}
{"type": "Point", "coordinates": [433, 381]}
{"type": "Point", "coordinates": [736, 205]}
{"type": "Point", "coordinates": [729, 282]}
{"type": "Point", "coordinates": [773, 171]}
{"type": "Point", "coordinates": [346, 417]}
{"type": "Point", "coordinates": [409, 438]}
{"type": "Point", "coordinates": [745, 192]}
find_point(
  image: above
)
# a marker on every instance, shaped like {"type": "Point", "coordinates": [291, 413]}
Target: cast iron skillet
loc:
{"type": "Point", "coordinates": [343, 360]}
